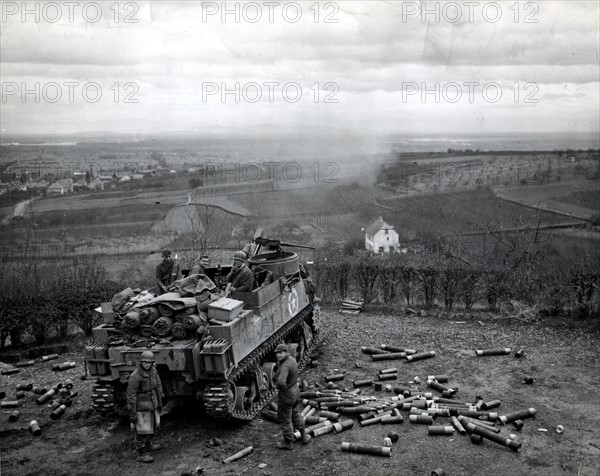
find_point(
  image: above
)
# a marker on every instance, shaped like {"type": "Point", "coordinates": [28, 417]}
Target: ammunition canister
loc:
{"type": "Point", "coordinates": [362, 383]}
{"type": "Point", "coordinates": [25, 386]}
{"type": "Point", "coordinates": [392, 420]}
{"type": "Point", "coordinates": [391, 370]}
{"type": "Point", "coordinates": [10, 404]}
{"type": "Point", "coordinates": [334, 377]}
{"type": "Point", "coordinates": [14, 416]}
{"type": "Point", "coordinates": [366, 449]}
{"type": "Point", "coordinates": [311, 420]}
{"type": "Point", "coordinates": [343, 426]}
{"type": "Point", "coordinates": [457, 426]}
{"type": "Point", "coordinates": [518, 424]}
{"type": "Point", "coordinates": [512, 444]}
{"type": "Point", "coordinates": [440, 430]}
{"type": "Point", "coordinates": [330, 415]}
{"type": "Point", "coordinates": [388, 356]}
{"type": "Point", "coordinates": [530, 412]}
{"type": "Point", "coordinates": [59, 412]}
{"type": "Point", "coordinates": [482, 352]}
{"type": "Point", "coordinates": [421, 356]}
{"type": "Point", "coordinates": [27, 363]}
{"type": "Point", "coordinates": [491, 404]}
{"type": "Point", "coordinates": [46, 358]}
{"type": "Point", "coordinates": [476, 439]}
{"type": "Point", "coordinates": [47, 396]}
{"type": "Point", "coordinates": [439, 378]}
{"type": "Point", "coordinates": [422, 419]}
{"type": "Point", "coordinates": [20, 394]}
{"type": "Point", "coordinates": [322, 431]}
{"type": "Point", "coordinates": [10, 371]}
{"type": "Point", "coordinates": [388, 376]}
{"type": "Point", "coordinates": [387, 441]}
{"type": "Point", "coordinates": [391, 348]}
{"type": "Point", "coordinates": [438, 472]}
{"type": "Point", "coordinates": [378, 386]}
{"type": "Point", "coordinates": [371, 351]}
{"type": "Point", "coordinates": [35, 428]}
{"type": "Point", "coordinates": [239, 454]}
{"type": "Point", "coordinates": [392, 435]}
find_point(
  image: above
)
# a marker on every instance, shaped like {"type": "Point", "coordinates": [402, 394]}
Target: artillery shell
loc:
{"type": "Point", "coordinates": [414, 404]}
{"type": "Point", "coordinates": [372, 351]}
{"type": "Point", "coordinates": [10, 404]}
{"type": "Point", "coordinates": [14, 416]}
{"type": "Point", "coordinates": [448, 393]}
{"type": "Point", "coordinates": [440, 430]}
{"type": "Point", "coordinates": [334, 377]}
{"type": "Point", "coordinates": [388, 356]}
{"type": "Point", "coordinates": [482, 352]}
{"type": "Point", "coordinates": [27, 363]}
{"type": "Point", "coordinates": [239, 455]}
{"type": "Point", "coordinates": [392, 420]}
{"type": "Point", "coordinates": [47, 396]}
{"type": "Point", "coordinates": [518, 424]}
{"type": "Point", "coordinates": [490, 416]}
{"type": "Point", "coordinates": [312, 428]}
{"type": "Point", "coordinates": [416, 411]}
{"type": "Point", "coordinates": [478, 404]}
{"type": "Point", "coordinates": [392, 435]}
{"type": "Point", "coordinates": [440, 387]}
{"type": "Point", "coordinates": [388, 376]}
{"type": "Point", "coordinates": [406, 392]}
{"type": "Point", "coordinates": [270, 415]}
{"type": "Point", "coordinates": [343, 426]}
{"type": "Point", "coordinates": [330, 415]}
{"type": "Point", "coordinates": [329, 398]}
{"type": "Point", "coordinates": [356, 410]}
{"type": "Point", "coordinates": [10, 371]}
{"type": "Point", "coordinates": [366, 416]}
{"type": "Point", "coordinates": [512, 444]}
{"type": "Point", "coordinates": [59, 412]}
{"type": "Point", "coordinates": [480, 423]}
{"type": "Point", "coordinates": [46, 358]}
{"type": "Point", "coordinates": [64, 366]}
{"type": "Point", "coordinates": [374, 420]}
{"type": "Point", "coordinates": [476, 439]}
{"type": "Point", "coordinates": [35, 428]}
{"type": "Point", "coordinates": [530, 412]}
{"type": "Point", "coordinates": [448, 401]}
{"type": "Point", "coordinates": [391, 370]}
{"type": "Point", "coordinates": [491, 404]}
{"type": "Point", "coordinates": [55, 405]}
{"type": "Point", "coordinates": [362, 383]}
{"type": "Point", "coordinates": [336, 405]}
{"type": "Point", "coordinates": [25, 386]}
{"type": "Point", "coordinates": [392, 348]}
{"type": "Point", "coordinates": [308, 411]}
{"type": "Point", "coordinates": [439, 378]}
{"type": "Point", "coordinates": [20, 394]}
{"type": "Point", "coordinates": [307, 394]}
{"type": "Point", "coordinates": [423, 419]}
{"type": "Point", "coordinates": [310, 420]}
{"type": "Point", "coordinates": [421, 356]}
{"type": "Point", "coordinates": [366, 449]}
{"type": "Point", "coordinates": [410, 351]}
{"type": "Point", "coordinates": [438, 472]}
{"type": "Point", "coordinates": [445, 412]}
{"type": "Point", "coordinates": [378, 386]}
{"type": "Point", "coordinates": [39, 390]}
{"type": "Point", "coordinates": [322, 431]}
{"type": "Point", "coordinates": [457, 426]}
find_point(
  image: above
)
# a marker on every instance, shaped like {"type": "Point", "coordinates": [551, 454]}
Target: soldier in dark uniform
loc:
{"type": "Point", "coordinates": [288, 404]}
{"type": "Point", "coordinates": [167, 271]}
{"type": "Point", "coordinates": [144, 403]}
{"type": "Point", "coordinates": [240, 279]}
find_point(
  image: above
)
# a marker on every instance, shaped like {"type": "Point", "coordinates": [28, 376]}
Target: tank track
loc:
{"type": "Point", "coordinates": [217, 401]}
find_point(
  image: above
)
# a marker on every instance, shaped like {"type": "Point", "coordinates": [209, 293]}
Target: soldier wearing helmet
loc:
{"type": "Point", "coordinates": [144, 403]}
{"type": "Point", "coordinates": [241, 278]}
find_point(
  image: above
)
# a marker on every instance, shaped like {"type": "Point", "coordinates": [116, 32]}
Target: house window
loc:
{"type": "Point", "coordinates": [386, 231]}
{"type": "Point", "coordinates": [381, 249]}
{"type": "Point", "coordinates": [391, 249]}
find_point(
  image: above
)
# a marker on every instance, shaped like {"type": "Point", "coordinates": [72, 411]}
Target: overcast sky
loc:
{"type": "Point", "coordinates": [377, 57]}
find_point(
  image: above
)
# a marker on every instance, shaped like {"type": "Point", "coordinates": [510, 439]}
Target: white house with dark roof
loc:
{"type": "Point", "coordinates": [380, 237]}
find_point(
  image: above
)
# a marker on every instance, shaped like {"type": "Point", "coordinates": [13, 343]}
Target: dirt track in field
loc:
{"type": "Point", "coordinates": [562, 358]}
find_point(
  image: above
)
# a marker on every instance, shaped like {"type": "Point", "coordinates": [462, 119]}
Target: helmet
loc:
{"type": "Point", "coordinates": [240, 255]}
{"type": "Point", "coordinates": [281, 348]}
{"type": "Point", "coordinates": [147, 356]}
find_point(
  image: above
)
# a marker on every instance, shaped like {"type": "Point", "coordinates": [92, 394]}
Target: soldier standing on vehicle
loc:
{"type": "Point", "coordinates": [144, 403]}
{"type": "Point", "coordinates": [167, 271]}
{"type": "Point", "coordinates": [199, 267]}
{"type": "Point", "coordinates": [241, 278]}
{"type": "Point", "coordinates": [288, 403]}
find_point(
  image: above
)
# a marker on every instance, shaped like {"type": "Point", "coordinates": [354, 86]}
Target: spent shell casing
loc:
{"type": "Point", "coordinates": [46, 358]}
{"type": "Point", "coordinates": [35, 428]}
{"type": "Point", "coordinates": [366, 449]}
{"type": "Point", "coordinates": [14, 416]}
{"type": "Point", "coordinates": [421, 356]}
{"type": "Point", "coordinates": [530, 412]}
{"type": "Point", "coordinates": [483, 352]}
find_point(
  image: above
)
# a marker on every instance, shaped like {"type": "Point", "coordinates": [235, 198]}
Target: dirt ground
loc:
{"type": "Point", "coordinates": [563, 359]}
